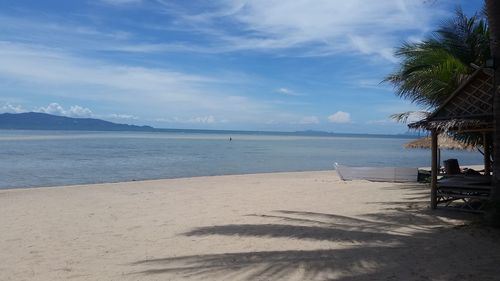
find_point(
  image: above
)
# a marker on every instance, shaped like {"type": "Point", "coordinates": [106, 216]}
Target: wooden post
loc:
{"type": "Point", "coordinates": [434, 168]}
{"type": "Point", "coordinates": [439, 159]}
{"type": "Point", "coordinates": [487, 153]}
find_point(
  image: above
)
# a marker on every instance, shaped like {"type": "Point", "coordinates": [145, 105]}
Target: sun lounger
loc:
{"type": "Point", "coordinates": [468, 193]}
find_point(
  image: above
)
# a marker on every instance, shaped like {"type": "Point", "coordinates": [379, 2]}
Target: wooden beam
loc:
{"type": "Point", "coordinates": [434, 168]}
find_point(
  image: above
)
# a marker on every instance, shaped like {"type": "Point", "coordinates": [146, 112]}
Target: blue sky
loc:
{"type": "Point", "coordinates": [224, 64]}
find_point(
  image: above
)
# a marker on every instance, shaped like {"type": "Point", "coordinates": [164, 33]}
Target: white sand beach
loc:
{"type": "Point", "coordinates": [281, 226]}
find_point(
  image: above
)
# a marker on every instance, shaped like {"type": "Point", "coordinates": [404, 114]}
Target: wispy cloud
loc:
{"type": "Point", "coordinates": [340, 117]}
{"type": "Point", "coordinates": [47, 66]}
{"type": "Point", "coordinates": [61, 33]}
{"type": "Point", "coordinates": [286, 92]}
{"type": "Point", "coordinates": [284, 28]}
{"type": "Point", "coordinates": [321, 28]}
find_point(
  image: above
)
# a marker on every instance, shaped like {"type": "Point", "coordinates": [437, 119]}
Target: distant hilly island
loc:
{"type": "Point", "coordinates": [44, 121]}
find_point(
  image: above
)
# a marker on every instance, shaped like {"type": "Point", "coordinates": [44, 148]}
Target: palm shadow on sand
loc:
{"type": "Point", "coordinates": [374, 247]}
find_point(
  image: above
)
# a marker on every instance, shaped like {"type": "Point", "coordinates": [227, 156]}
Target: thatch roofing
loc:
{"type": "Point", "coordinates": [469, 107]}
{"type": "Point", "coordinates": [444, 142]}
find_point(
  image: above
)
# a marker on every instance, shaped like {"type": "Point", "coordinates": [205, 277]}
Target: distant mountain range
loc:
{"type": "Point", "coordinates": [44, 121]}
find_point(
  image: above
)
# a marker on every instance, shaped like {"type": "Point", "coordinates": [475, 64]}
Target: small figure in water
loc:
{"type": "Point", "coordinates": [230, 138]}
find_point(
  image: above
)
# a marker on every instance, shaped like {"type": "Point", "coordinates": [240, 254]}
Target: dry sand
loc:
{"type": "Point", "coordinates": [283, 226]}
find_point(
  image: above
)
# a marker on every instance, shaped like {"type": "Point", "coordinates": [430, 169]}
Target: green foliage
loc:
{"type": "Point", "coordinates": [432, 69]}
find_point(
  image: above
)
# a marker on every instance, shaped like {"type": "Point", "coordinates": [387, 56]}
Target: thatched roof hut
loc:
{"type": "Point", "coordinates": [468, 109]}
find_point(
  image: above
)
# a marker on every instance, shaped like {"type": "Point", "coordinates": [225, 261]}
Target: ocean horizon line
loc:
{"type": "Point", "coordinates": [306, 133]}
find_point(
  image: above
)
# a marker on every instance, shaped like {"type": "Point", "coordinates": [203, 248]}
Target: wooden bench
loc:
{"type": "Point", "coordinates": [472, 192]}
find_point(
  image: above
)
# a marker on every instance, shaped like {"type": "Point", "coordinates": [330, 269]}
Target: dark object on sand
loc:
{"type": "Point", "coordinates": [424, 176]}
{"type": "Point", "coordinates": [451, 167]}
{"type": "Point", "coordinates": [471, 172]}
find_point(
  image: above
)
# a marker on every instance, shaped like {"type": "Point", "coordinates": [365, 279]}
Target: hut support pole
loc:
{"type": "Point", "coordinates": [487, 154]}
{"type": "Point", "coordinates": [434, 168]}
{"type": "Point", "coordinates": [439, 158]}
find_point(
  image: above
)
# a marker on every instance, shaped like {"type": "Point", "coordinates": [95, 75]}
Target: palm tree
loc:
{"type": "Point", "coordinates": [432, 69]}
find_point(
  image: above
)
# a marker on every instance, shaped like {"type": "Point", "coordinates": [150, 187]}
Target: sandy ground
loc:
{"type": "Point", "coordinates": [283, 226]}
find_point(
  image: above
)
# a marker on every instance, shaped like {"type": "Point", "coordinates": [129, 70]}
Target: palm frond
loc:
{"type": "Point", "coordinates": [432, 69]}
{"type": "Point", "coordinates": [405, 117]}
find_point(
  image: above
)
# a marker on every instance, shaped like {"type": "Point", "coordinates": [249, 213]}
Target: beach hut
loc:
{"type": "Point", "coordinates": [469, 109]}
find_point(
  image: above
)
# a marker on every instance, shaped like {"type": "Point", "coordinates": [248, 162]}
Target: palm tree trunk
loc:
{"type": "Point", "coordinates": [493, 10]}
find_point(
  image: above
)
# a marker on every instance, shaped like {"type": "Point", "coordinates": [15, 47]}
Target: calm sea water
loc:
{"type": "Point", "coordinates": [51, 158]}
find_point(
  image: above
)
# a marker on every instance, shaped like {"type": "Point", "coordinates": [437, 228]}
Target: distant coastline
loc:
{"type": "Point", "coordinates": [49, 122]}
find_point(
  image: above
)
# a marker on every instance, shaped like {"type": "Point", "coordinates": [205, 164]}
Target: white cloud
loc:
{"type": "Point", "coordinates": [121, 2]}
{"type": "Point", "coordinates": [324, 27]}
{"type": "Point", "coordinates": [78, 111]}
{"type": "Point", "coordinates": [340, 117]}
{"type": "Point", "coordinates": [309, 120]}
{"type": "Point", "coordinates": [53, 108]}
{"type": "Point", "coordinates": [373, 45]}
{"type": "Point", "coordinates": [10, 108]}
{"type": "Point", "coordinates": [73, 111]}
{"type": "Point", "coordinates": [286, 92]}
